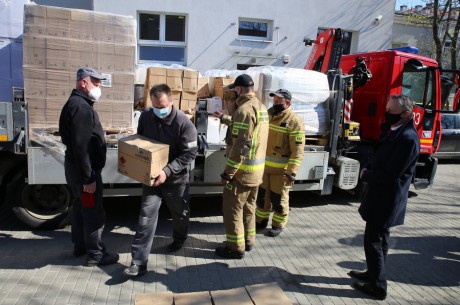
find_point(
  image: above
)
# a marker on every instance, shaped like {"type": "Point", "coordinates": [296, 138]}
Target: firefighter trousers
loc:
{"type": "Point", "coordinates": [239, 204]}
{"type": "Point", "coordinates": [273, 196]}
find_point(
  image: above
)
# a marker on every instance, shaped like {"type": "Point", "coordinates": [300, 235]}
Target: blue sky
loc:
{"type": "Point", "coordinates": [409, 3]}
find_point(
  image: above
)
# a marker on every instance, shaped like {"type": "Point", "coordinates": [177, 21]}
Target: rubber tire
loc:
{"type": "Point", "coordinates": [29, 213]}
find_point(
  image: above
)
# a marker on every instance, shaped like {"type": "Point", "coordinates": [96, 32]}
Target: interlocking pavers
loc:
{"type": "Point", "coordinates": [309, 260]}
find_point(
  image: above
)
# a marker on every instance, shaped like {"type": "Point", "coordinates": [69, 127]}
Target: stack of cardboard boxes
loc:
{"type": "Point", "coordinates": [203, 87]}
{"type": "Point", "coordinates": [189, 90]}
{"type": "Point", "coordinates": [221, 85]}
{"type": "Point", "coordinates": [58, 41]}
{"type": "Point", "coordinates": [183, 83]}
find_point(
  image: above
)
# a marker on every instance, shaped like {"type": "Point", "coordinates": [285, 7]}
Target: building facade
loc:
{"type": "Point", "coordinates": [217, 34]}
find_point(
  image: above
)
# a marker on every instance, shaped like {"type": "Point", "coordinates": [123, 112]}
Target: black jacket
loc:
{"type": "Point", "coordinates": [179, 133]}
{"type": "Point", "coordinates": [82, 133]}
{"type": "Point", "coordinates": [388, 176]}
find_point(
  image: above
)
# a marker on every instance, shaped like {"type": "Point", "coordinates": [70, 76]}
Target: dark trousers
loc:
{"type": "Point", "coordinates": [88, 219]}
{"type": "Point", "coordinates": [177, 200]}
{"type": "Point", "coordinates": [376, 250]}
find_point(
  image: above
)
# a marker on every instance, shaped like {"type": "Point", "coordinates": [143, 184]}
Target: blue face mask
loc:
{"type": "Point", "coordinates": [161, 113]}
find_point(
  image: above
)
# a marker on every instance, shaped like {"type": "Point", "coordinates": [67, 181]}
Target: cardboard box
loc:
{"type": "Point", "coordinates": [159, 298]}
{"type": "Point", "coordinates": [268, 294]}
{"type": "Point", "coordinates": [176, 96]}
{"type": "Point", "coordinates": [223, 81]}
{"type": "Point", "coordinates": [193, 298]}
{"type": "Point", "coordinates": [174, 73]}
{"type": "Point", "coordinates": [231, 296]}
{"type": "Point", "coordinates": [261, 294]}
{"type": "Point", "coordinates": [175, 83]}
{"type": "Point", "coordinates": [141, 158]}
{"type": "Point", "coordinates": [190, 80]}
{"type": "Point", "coordinates": [190, 84]}
{"type": "Point", "coordinates": [203, 87]}
{"type": "Point", "coordinates": [156, 71]}
{"type": "Point", "coordinates": [188, 100]}
{"type": "Point", "coordinates": [190, 74]}
{"type": "Point", "coordinates": [221, 85]}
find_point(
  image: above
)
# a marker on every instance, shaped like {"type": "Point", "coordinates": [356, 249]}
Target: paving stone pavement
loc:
{"type": "Point", "coordinates": [309, 261]}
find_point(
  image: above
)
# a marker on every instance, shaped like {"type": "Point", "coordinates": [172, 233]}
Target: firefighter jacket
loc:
{"type": "Point", "coordinates": [286, 142]}
{"type": "Point", "coordinates": [247, 141]}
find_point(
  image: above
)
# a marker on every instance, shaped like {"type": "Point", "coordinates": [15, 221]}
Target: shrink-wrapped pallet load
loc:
{"type": "Point", "coordinates": [310, 93]}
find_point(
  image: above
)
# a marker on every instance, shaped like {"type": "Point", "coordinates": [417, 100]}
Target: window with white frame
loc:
{"type": "Point", "coordinates": [346, 41]}
{"type": "Point", "coordinates": [255, 29]}
{"type": "Point", "coordinates": [162, 38]}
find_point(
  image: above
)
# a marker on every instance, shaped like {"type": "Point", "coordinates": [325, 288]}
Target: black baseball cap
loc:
{"type": "Point", "coordinates": [243, 80]}
{"type": "Point", "coordinates": [282, 93]}
{"type": "Point", "coordinates": [86, 71]}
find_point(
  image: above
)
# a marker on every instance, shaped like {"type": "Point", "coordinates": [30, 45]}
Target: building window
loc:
{"type": "Point", "coordinates": [162, 38]}
{"type": "Point", "coordinates": [447, 46]}
{"type": "Point", "coordinates": [254, 29]}
{"type": "Point", "coordinates": [395, 45]}
{"type": "Point", "coordinates": [346, 41]}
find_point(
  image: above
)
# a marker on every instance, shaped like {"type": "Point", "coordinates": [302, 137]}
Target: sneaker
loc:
{"type": "Point", "coordinates": [248, 248]}
{"type": "Point", "coordinates": [107, 259]}
{"type": "Point", "coordinates": [227, 253]}
{"type": "Point", "coordinates": [174, 246]}
{"type": "Point", "coordinates": [274, 232]}
{"type": "Point", "coordinates": [135, 270]}
{"type": "Point", "coordinates": [79, 251]}
{"type": "Point", "coordinates": [262, 225]}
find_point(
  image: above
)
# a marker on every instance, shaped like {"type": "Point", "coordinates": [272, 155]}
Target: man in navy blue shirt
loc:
{"type": "Point", "coordinates": [166, 124]}
{"type": "Point", "coordinates": [85, 154]}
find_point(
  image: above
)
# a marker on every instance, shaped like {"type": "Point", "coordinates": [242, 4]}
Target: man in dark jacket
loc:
{"type": "Point", "coordinates": [82, 133]}
{"type": "Point", "coordinates": [388, 176]}
{"type": "Point", "coordinates": [164, 123]}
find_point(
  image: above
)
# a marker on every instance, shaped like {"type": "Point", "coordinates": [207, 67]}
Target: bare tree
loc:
{"type": "Point", "coordinates": [442, 16]}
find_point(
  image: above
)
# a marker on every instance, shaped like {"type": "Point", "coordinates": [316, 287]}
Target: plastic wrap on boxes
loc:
{"type": "Point", "coordinates": [310, 92]}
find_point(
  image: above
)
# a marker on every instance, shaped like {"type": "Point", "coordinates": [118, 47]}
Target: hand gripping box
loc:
{"type": "Point", "coordinates": [141, 158]}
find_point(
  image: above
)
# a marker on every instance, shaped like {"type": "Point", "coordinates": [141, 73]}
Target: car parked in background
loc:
{"type": "Point", "coordinates": [449, 147]}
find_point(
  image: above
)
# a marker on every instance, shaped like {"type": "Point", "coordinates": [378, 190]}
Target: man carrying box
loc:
{"type": "Point", "coordinates": [165, 124]}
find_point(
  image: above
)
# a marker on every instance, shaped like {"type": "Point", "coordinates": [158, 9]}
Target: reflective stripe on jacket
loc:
{"type": "Point", "coordinates": [286, 143]}
{"type": "Point", "coordinates": [247, 141]}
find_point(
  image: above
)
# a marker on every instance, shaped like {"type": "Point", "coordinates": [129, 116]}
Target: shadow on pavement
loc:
{"type": "Point", "coordinates": [183, 279]}
{"type": "Point", "coordinates": [428, 260]}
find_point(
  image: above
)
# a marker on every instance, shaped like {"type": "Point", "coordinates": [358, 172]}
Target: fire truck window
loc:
{"type": "Point", "coordinates": [448, 90]}
{"type": "Point", "coordinates": [418, 86]}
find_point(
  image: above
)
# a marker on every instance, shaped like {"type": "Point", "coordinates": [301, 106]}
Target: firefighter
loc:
{"type": "Point", "coordinates": [246, 145]}
{"type": "Point", "coordinates": [285, 148]}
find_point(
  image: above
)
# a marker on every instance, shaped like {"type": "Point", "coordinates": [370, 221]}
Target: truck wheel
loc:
{"type": "Point", "coordinates": [41, 206]}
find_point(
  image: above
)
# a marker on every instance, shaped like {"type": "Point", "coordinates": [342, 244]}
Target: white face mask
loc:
{"type": "Point", "coordinates": [95, 94]}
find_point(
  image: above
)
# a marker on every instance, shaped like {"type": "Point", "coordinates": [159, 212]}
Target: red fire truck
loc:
{"type": "Point", "coordinates": [377, 75]}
